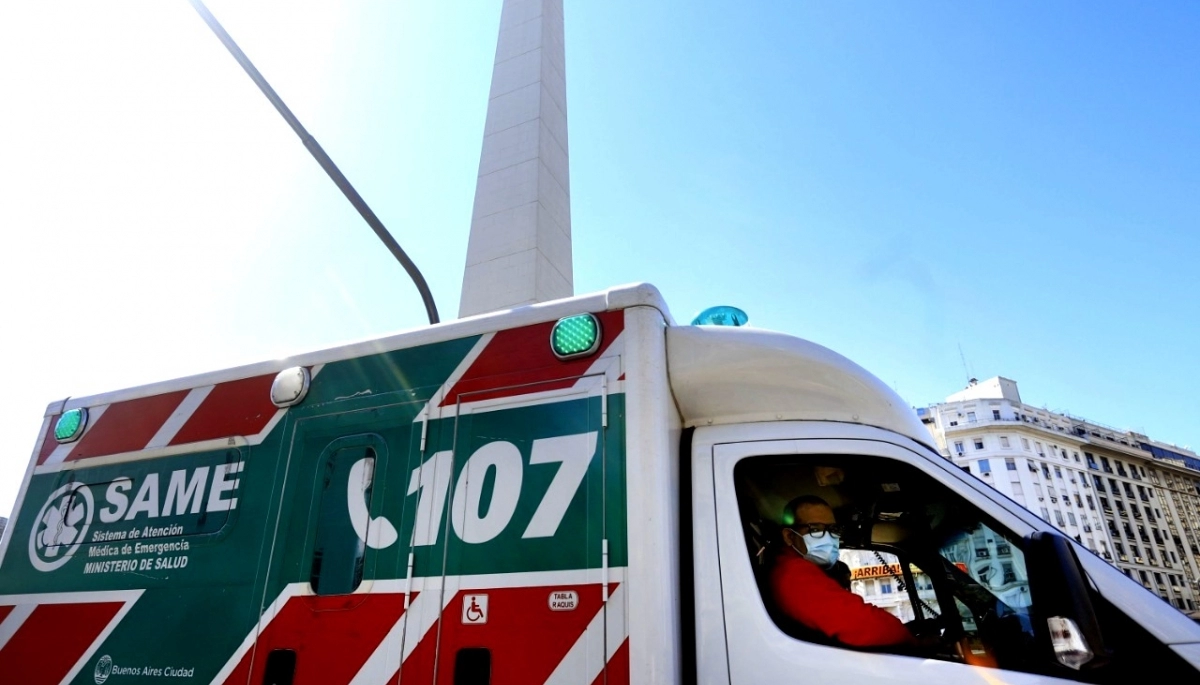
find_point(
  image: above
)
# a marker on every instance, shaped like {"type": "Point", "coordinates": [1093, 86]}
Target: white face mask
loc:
{"type": "Point", "coordinates": [822, 551]}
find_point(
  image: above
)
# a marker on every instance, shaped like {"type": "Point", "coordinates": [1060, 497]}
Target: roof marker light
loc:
{"type": "Point", "coordinates": [290, 386]}
{"type": "Point", "coordinates": [721, 315]}
{"type": "Point", "coordinates": [70, 425]}
{"type": "Point", "coordinates": [575, 336]}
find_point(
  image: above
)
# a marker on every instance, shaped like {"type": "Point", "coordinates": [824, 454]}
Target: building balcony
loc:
{"type": "Point", "coordinates": [985, 422]}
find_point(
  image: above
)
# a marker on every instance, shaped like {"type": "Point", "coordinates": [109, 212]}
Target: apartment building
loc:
{"type": "Point", "coordinates": [1131, 500]}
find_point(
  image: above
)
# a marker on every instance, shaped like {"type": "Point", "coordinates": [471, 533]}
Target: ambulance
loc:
{"type": "Point", "coordinates": [581, 491]}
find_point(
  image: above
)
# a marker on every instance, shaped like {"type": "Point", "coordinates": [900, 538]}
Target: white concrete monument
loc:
{"type": "Point", "coordinates": [519, 251]}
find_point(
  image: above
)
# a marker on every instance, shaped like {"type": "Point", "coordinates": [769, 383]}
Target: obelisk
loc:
{"type": "Point", "coordinates": [519, 251]}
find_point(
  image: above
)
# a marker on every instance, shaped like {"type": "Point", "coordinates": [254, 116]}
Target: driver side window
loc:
{"type": "Point", "coordinates": [906, 548]}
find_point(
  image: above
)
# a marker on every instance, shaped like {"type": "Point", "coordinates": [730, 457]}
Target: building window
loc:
{"type": "Point", "coordinates": [970, 417]}
{"type": "Point", "coordinates": [1071, 518]}
{"type": "Point", "coordinates": [1041, 452]}
{"type": "Point", "coordinates": [1017, 491]}
{"type": "Point", "coordinates": [985, 467]}
{"type": "Point", "coordinates": [1091, 503]}
{"type": "Point", "coordinates": [1004, 441]}
{"type": "Point", "coordinates": [1058, 518]}
{"type": "Point", "coordinates": [1045, 514]}
{"type": "Point", "coordinates": [996, 414]}
{"type": "Point", "coordinates": [978, 443]}
{"type": "Point", "coordinates": [1010, 464]}
{"type": "Point", "coordinates": [1025, 443]}
{"type": "Point", "coordinates": [958, 447]}
{"type": "Point", "coordinates": [1058, 473]}
{"type": "Point", "coordinates": [954, 423]}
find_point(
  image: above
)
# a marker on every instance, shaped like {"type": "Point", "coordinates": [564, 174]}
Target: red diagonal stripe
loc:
{"type": "Point", "coordinates": [526, 640]}
{"type": "Point", "coordinates": [52, 639]}
{"type": "Point", "coordinates": [520, 356]}
{"type": "Point", "coordinates": [48, 441]}
{"type": "Point", "coordinates": [616, 671]}
{"type": "Point", "coordinates": [127, 426]}
{"type": "Point", "coordinates": [241, 407]}
{"type": "Point", "coordinates": [5, 611]}
{"type": "Point", "coordinates": [332, 636]}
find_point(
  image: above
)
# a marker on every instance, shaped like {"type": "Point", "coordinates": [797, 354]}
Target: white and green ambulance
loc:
{"type": "Point", "coordinates": [580, 491]}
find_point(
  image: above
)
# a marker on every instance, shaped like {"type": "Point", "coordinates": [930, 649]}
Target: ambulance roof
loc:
{"type": "Point", "coordinates": [725, 375]}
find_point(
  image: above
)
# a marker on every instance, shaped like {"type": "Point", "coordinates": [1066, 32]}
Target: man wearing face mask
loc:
{"type": "Point", "coordinates": [804, 591]}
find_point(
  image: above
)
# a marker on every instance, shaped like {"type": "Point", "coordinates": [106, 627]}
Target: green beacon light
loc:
{"type": "Point", "coordinates": [70, 425]}
{"type": "Point", "coordinates": [721, 315]}
{"type": "Point", "coordinates": [575, 336]}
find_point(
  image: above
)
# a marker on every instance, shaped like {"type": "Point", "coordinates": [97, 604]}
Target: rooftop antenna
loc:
{"type": "Point", "coordinates": [963, 357]}
{"type": "Point", "coordinates": [323, 159]}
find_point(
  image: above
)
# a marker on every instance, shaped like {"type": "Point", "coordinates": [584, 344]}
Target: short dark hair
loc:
{"type": "Point", "coordinates": [789, 509]}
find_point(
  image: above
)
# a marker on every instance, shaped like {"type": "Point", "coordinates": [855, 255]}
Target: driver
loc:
{"type": "Point", "coordinates": [803, 590]}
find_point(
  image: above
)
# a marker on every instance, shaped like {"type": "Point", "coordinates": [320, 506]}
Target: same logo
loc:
{"type": "Point", "coordinates": [61, 526]}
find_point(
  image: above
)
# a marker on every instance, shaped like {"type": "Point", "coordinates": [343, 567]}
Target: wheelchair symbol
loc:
{"type": "Point", "coordinates": [475, 609]}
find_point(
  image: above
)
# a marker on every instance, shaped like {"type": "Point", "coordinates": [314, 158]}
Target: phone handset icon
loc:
{"type": "Point", "coordinates": [376, 532]}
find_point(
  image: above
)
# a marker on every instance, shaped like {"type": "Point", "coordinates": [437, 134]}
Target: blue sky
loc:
{"type": "Point", "coordinates": [894, 181]}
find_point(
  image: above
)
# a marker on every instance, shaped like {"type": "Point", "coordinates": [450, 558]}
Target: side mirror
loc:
{"type": "Point", "coordinates": [1063, 614]}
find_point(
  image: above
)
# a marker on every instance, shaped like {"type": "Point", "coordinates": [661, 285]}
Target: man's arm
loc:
{"type": "Point", "coordinates": [806, 594]}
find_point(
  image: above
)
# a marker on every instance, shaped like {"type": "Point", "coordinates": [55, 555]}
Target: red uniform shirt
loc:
{"type": "Point", "coordinates": [805, 593]}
